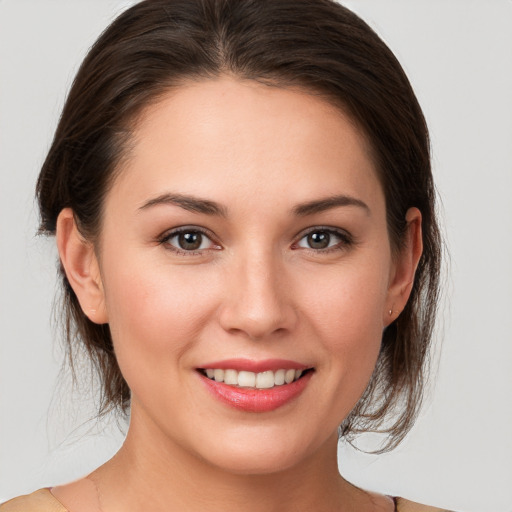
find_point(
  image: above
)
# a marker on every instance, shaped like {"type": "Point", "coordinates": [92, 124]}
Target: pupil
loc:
{"type": "Point", "coordinates": [190, 241]}
{"type": "Point", "coordinates": [319, 240]}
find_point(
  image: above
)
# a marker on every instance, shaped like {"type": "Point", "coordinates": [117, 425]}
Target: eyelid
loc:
{"type": "Point", "coordinates": [346, 237]}
{"type": "Point", "coordinates": [164, 238]}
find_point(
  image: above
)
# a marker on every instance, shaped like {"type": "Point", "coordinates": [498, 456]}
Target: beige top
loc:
{"type": "Point", "coordinates": [44, 501]}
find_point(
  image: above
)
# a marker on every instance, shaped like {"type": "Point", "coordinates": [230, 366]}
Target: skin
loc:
{"type": "Point", "coordinates": [255, 289]}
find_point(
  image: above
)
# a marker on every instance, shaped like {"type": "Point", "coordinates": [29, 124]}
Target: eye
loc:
{"type": "Point", "coordinates": [188, 240]}
{"type": "Point", "coordinates": [323, 239]}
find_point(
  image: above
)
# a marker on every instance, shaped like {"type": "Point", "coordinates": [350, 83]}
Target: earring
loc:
{"type": "Point", "coordinates": [390, 312]}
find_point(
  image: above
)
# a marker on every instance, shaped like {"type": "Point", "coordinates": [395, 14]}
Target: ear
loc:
{"type": "Point", "coordinates": [79, 260]}
{"type": "Point", "coordinates": [404, 268]}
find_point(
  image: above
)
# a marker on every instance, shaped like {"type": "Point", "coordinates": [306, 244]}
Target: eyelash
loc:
{"type": "Point", "coordinates": [346, 240]}
{"type": "Point", "coordinates": [165, 240]}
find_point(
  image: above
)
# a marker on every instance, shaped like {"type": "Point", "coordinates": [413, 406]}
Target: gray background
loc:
{"type": "Point", "coordinates": [458, 55]}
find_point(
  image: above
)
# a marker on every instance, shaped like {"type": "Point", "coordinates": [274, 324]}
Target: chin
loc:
{"type": "Point", "coordinates": [261, 455]}
{"type": "Point", "coordinates": [261, 464]}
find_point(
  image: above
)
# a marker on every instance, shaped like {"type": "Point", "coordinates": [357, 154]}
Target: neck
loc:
{"type": "Point", "coordinates": [152, 472]}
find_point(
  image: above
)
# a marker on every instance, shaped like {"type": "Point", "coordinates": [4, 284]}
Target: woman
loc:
{"type": "Point", "coordinates": [244, 209]}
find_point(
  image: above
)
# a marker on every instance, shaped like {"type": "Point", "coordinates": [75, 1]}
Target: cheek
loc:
{"type": "Point", "coordinates": [345, 313]}
{"type": "Point", "coordinates": [156, 313]}
{"type": "Point", "coordinates": [347, 300]}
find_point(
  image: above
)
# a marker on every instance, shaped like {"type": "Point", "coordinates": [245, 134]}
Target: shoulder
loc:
{"type": "Point", "coordinates": [410, 506]}
{"type": "Point", "coordinates": [38, 501]}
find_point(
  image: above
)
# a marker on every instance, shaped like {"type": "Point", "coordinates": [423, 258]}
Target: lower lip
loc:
{"type": "Point", "coordinates": [257, 400]}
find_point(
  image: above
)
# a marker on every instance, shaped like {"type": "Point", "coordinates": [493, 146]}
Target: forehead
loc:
{"type": "Point", "coordinates": [226, 136]}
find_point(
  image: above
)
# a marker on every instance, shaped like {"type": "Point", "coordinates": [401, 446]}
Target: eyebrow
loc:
{"type": "Point", "coordinates": [190, 203]}
{"type": "Point", "coordinates": [208, 207]}
{"type": "Point", "coordinates": [321, 205]}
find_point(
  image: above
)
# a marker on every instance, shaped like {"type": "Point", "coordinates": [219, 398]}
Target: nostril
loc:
{"type": "Point", "coordinates": [257, 323]}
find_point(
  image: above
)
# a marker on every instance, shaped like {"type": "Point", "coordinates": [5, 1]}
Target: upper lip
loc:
{"type": "Point", "coordinates": [250, 365]}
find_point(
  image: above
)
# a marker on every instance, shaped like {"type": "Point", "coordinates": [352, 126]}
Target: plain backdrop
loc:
{"type": "Point", "coordinates": [458, 55]}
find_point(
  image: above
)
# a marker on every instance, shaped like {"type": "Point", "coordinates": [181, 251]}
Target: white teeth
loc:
{"type": "Point", "coordinates": [265, 380]}
{"type": "Point", "coordinates": [231, 377]}
{"type": "Point", "coordinates": [289, 376]}
{"type": "Point", "coordinates": [279, 377]}
{"type": "Point", "coordinates": [262, 380]}
{"type": "Point", "coordinates": [247, 379]}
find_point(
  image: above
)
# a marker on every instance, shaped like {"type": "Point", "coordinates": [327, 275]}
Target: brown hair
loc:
{"type": "Point", "coordinates": [315, 44]}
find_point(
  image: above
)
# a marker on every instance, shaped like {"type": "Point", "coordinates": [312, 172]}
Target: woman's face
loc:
{"type": "Point", "coordinates": [246, 232]}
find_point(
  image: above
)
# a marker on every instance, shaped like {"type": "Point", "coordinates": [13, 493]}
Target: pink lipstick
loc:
{"type": "Point", "coordinates": [255, 386]}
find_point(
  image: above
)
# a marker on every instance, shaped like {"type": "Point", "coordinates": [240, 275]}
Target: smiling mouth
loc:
{"type": "Point", "coordinates": [251, 380]}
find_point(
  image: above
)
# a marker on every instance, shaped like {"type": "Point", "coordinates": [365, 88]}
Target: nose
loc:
{"type": "Point", "coordinates": [258, 301]}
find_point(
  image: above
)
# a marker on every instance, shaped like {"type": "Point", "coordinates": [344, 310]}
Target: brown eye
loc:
{"type": "Point", "coordinates": [190, 241]}
{"type": "Point", "coordinates": [323, 240]}
{"type": "Point", "coordinates": [319, 240]}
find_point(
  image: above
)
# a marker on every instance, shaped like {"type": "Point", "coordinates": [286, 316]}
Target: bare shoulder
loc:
{"type": "Point", "coordinates": [38, 501]}
{"type": "Point", "coordinates": [410, 506]}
